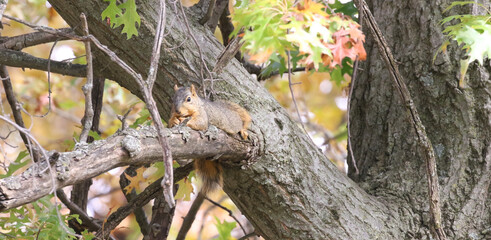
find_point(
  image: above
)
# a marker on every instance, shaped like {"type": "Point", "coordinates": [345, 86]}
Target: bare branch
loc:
{"type": "Point", "coordinates": [32, 39]}
{"type": "Point", "coordinates": [23, 60]}
{"type": "Point", "coordinates": [131, 147]}
{"type": "Point", "coordinates": [229, 213]}
{"type": "Point", "coordinates": [157, 44]}
{"type": "Point", "coordinates": [12, 100]}
{"type": "Point", "coordinates": [87, 88]}
{"type": "Point", "coordinates": [146, 88]}
{"type": "Point", "coordinates": [187, 222]}
{"type": "Point", "coordinates": [290, 85]}
{"type": "Point", "coordinates": [58, 32]}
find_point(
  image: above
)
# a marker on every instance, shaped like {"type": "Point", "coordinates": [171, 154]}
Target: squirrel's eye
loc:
{"type": "Point", "coordinates": [188, 99]}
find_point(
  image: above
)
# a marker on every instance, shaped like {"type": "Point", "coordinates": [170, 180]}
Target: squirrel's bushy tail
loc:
{"type": "Point", "coordinates": [210, 173]}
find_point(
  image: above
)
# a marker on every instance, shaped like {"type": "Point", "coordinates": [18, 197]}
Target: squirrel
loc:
{"type": "Point", "coordinates": [225, 115]}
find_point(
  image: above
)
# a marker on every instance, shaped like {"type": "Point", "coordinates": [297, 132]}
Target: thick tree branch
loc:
{"type": "Point", "coordinates": [187, 222]}
{"type": "Point", "coordinates": [33, 39]}
{"type": "Point", "coordinates": [131, 147]}
{"type": "Point", "coordinates": [161, 217]}
{"type": "Point", "coordinates": [14, 58]}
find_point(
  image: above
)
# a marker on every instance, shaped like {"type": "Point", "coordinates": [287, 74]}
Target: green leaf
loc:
{"type": "Point", "coordinates": [112, 12]}
{"type": "Point", "coordinates": [129, 18]}
{"type": "Point", "coordinates": [17, 164]}
{"type": "Point", "coordinates": [460, 3]}
{"type": "Point", "coordinates": [224, 229]}
{"type": "Point", "coordinates": [95, 135]}
{"type": "Point", "coordinates": [337, 76]}
{"type": "Point", "coordinates": [185, 189]}
{"type": "Point", "coordinates": [144, 117]}
{"type": "Point", "coordinates": [67, 104]}
{"type": "Point", "coordinates": [348, 8]}
{"type": "Point", "coordinates": [480, 48]}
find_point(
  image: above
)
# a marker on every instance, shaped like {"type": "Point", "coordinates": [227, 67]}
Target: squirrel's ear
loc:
{"type": "Point", "coordinates": [175, 87]}
{"type": "Point", "coordinates": [193, 90]}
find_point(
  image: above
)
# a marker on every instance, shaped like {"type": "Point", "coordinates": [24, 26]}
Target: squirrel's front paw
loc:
{"type": "Point", "coordinates": [244, 134]}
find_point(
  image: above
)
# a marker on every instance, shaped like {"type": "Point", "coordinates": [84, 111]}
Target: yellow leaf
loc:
{"type": "Point", "coordinates": [189, 3]}
{"type": "Point", "coordinates": [135, 181]}
{"type": "Point", "coordinates": [185, 189]}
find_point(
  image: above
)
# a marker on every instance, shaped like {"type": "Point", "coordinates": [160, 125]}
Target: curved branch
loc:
{"type": "Point", "coordinates": [131, 147]}
{"type": "Point", "coordinates": [14, 58]}
{"type": "Point", "coordinates": [32, 39]}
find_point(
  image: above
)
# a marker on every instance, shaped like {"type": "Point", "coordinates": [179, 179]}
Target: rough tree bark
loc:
{"type": "Point", "coordinates": [457, 121]}
{"type": "Point", "coordinates": [292, 191]}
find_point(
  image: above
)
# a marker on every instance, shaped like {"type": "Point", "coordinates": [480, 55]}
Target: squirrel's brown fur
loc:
{"type": "Point", "coordinates": [227, 116]}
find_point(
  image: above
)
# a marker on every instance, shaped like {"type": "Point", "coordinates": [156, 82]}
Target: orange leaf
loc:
{"type": "Point", "coordinates": [261, 57]}
{"type": "Point", "coordinates": [355, 33]}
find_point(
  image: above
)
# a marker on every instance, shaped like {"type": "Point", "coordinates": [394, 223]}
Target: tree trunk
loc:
{"type": "Point", "coordinates": [291, 190]}
{"type": "Point", "coordinates": [457, 122]}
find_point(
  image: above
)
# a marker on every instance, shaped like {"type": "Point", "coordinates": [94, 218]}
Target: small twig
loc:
{"type": "Point", "coordinates": [46, 29]}
{"type": "Point", "coordinates": [157, 44]}
{"type": "Point", "coordinates": [293, 95]}
{"type": "Point", "coordinates": [124, 124]}
{"type": "Point", "coordinates": [151, 104]}
{"type": "Point", "coordinates": [8, 235]}
{"type": "Point", "coordinates": [203, 63]}
{"type": "Point", "coordinates": [229, 213]}
{"type": "Point", "coordinates": [350, 148]}
{"type": "Point", "coordinates": [39, 230]}
{"type": "Point", "coordinates": [87, 88]}
{"type": "Point", "coordinates": [277, 72]}
{"type": "Point", "coordinates": [187, 222]}
{"type": "Point", "coordinates": [206, 212]}
{"type": "Point", "coordinates": [348, 110]}
{"type": "Point", "coordinates": [168, 180]}
{"type": "Point", "coordinates": [49, 81]}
